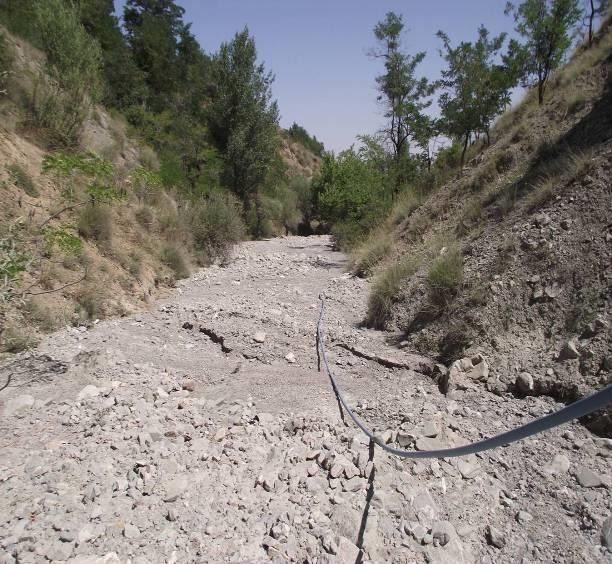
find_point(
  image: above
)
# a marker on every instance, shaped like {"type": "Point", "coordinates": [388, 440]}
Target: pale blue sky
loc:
{"type": "Point", "coordinates": [318, 50]}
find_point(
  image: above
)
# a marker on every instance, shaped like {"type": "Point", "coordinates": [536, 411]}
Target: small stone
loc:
{"type": "Point", "coordinates": [59, 551]}
{"type": "Point", "coordinates": [425, 443]}
{"type": "Point", "coordinates": [606, 532]}
{"type": "Point", "coordinates": [188, 385]}
{"type": "Point", "coordinates": [175, 488]}
{"type": "Point", "coordinates": [387, 436]}
{"type": "Point", "coordinates": [427, 539]}
{"type": "Point", "coordinates": [259, 337]}
{"type": "Point", "coordinates": [524, 382]}
{"type": "Point", "coordinates": [312, 469]}
{"type": "Point", "coordinates": [290, 358]}
{"type": "Point", "coordinates": [404, 439]}
{"type": "Point", "coordinates": [171, 515]}
{"type": "Point", "coordinates": [269, 483]}
{"type": "Point", "coordinates": [559, 465]}
{"type": "Point", "coordinates": [18, 405]}
{"type": "Point", "coordinates": [541, 220]}
{"type": "Point", "coordinates": [88, 392]}
{"type": "Point", "coordinates": [524, 517]}
{"type": "Point", "coordinates": [346, 551]}
{"type": "Point", "coordinates": [569, 351]}
{"type": "Point", "coordinates": [442, 532]}
{"type": "Point", "coordinates": [494, 537]}
{"type": "Point", "coordinates": [336, 470]}
{"type": "Point", "coordinates": [467, 470]}
{"type": "Point", "coordinates": [587, 478]}
{"type": "Point", "coordinates": [429, 429]}
{"type": "Point", "coordinates": [131, 531]}
{"type": "Point", "coordinates": [552, 291]}
{"type": "Point", "coordinates": [415, 529]}
{"type": "Point", "coordinates": [220, 434]}
{"type": "Point", "coordinates": [496, 386]}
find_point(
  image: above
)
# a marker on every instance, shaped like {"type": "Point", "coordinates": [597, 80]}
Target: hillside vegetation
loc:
{"type": "Point", "coordinates": [122, 165]}
{"type": "Point", "coordinates": [509, 256]}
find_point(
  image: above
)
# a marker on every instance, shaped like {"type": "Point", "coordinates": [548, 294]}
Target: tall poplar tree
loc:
{"type": "Point", "coordinates": [403, 95]}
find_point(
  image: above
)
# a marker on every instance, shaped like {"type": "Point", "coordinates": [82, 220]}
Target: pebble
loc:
{"type": "Point", "coordinates": [494, 537]}
{"type": "Point", "coordinates": [426, 443]}
{"type": "Point", "coordinates": [560, 464]}
{"type": "Point", "coordinates": [587, 478]}
{"type": "Point", "coordinates": [259, 337]}
{"type": "Point", "coordinates": [468, 470]}
{"type": "Point", "coordinates": [524, 382]}
{"type": "Point", "coordinates": [88, 392]}
{"type": "Point", "coordinates": [442, 532]}
{"type": "Point", "coordinates": [131, 531]}
{"type": "Point", "coordinates": [606, 532]}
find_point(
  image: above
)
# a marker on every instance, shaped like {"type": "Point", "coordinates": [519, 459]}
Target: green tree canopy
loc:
{"type": "Point", "coordinates": [243, 117]}
{"type": "Point", "coordinates": [477, 88]}
{"type": "Point", "coordinates": [546, 26]}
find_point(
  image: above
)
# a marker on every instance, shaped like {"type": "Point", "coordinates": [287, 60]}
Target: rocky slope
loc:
{"type": "Point", "coordinates": [530, 215]}
{"type": "Point", "coordinates": [203, 432]}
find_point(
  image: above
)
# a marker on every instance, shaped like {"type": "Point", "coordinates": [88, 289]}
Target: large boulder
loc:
{"type": "Point", "coordinates": [463, 372]}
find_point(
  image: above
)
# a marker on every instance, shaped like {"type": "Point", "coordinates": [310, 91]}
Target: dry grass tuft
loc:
{"type": "Point", "coordinates": [386, 289]}
{"type": "Point", "coordinates": [445, 277]}
{"type": "Point", "coordinates": [173, 258]}
{"type": "Point", "coordinates": [368, 255]}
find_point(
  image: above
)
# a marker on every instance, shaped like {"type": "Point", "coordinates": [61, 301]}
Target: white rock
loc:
{"type": "Point", "coordinates": [259, 337]}
{"type": "Point", "coordinates": [110, 558]}
{"type": "Point", "coordinates": [18, 405]}
{"type": "Point", "coordinates": [559, 465]}
{"type": "Point", "coordinates": [88, 392]}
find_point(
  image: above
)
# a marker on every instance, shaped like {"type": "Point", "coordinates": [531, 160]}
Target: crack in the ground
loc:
{"type": "Point", "coordinates": [216, 338]}
{"type": "Point", "coordinates": [416, 363]}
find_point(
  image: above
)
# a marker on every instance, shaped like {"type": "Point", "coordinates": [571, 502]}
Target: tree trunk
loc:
{"type": "Point", "coordinates": [591, 16]}
{"type": "Point", "coordinates": [465, 146]}
{"type": "Point", "coordinates": [540, 92]}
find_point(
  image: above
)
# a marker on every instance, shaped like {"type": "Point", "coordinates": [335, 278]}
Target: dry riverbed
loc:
{"type": "Point", "coordinates": [203, 432]}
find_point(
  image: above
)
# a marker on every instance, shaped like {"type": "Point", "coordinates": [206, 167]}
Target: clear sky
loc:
{"type": "Point", "coordinates": [318, 50]}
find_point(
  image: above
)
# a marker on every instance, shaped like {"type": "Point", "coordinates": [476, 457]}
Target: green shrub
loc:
{"type": "Point", "coordinates": [174, 259]}
{"type": "Point", "coordinates": [445, 277]}
{"type": "Point", "coordinates": [352, 192]}
{"type": "Point", "coordinates": [22, 180]}
{"type": "Point", "coordinates": [348, 234]}
{"type": "Point", "coordinates": [64, 93]}
{"type": "Point", "coordinates": [95, 223]}
{"type": "Point", "coordinates": [216, 225]}
{"type": "Point", "coordinates": [385, 291]}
